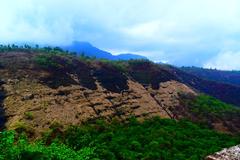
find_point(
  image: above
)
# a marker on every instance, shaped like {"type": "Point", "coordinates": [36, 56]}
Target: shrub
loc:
{"type": "Point", "coordinates": [21, 149]}
{"type": "Point", "coordinates": [152, 139]}
{"type": "Point", "coordinates": [28, 115]}
{"type": "Point", "coordinates": [46, 60]}
{"type": "Point", "coordinates": [210, 106]}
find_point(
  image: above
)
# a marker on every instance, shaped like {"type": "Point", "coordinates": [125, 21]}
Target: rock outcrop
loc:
{"type": "Point", "coordinates": [75, 104]}
{"type": "Point", "coordinates": [232, 153]}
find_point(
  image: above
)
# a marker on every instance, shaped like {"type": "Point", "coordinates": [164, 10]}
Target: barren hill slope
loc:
{"type": "Point", "coordinates": [43, 89]}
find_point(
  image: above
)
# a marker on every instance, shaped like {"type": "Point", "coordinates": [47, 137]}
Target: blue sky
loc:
{"type": "Point", "coordinates": [180, 32]}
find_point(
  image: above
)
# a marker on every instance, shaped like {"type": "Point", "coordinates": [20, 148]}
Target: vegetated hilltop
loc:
{"type": "Point", "coordinates": [46, 86]}
{"type": "Point", "coordinates": [84, 108]}
{"type": "Point", "coordinates": [229, 77]}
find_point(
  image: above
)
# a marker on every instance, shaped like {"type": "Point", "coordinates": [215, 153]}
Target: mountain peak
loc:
{"type": "Point", "coordinates": [89, 50]}
{"type": "Point", "coordinates": [83, 43]}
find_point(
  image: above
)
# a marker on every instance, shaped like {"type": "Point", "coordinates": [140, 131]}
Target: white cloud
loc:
{"type": "Point", "coordinates": [146, 30]}
{"type": "Point", "coordinates": [225, 61]}
{"type": "Point", "coordinates": [178, 28]}
{"type": "Point", "coordinates": [25, 21]}
{"type": "Point", "coordinates": [162, 61]}
{"type": "Point", "coordinates": [152, 31]}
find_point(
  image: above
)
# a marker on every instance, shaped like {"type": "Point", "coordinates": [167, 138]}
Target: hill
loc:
{"type": "Point", "coordinates": [91, 51]}
{"type": "Point", "coordinates": [41, 78]}
{"type": "Point", "coordinates": [229, 77]}
{"type": "Point", "coordinates": [85, 107]}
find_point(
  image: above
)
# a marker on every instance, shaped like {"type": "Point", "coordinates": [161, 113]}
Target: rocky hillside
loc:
{"type": "Point", "coordinates": [232, 153]}
{"type": "Point", "coordinates": [40, 89]}
{"type": "Point", "coordinates": [226, 92]}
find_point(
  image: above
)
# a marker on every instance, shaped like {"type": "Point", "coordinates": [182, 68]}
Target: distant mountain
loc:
{"type": "Point", "coordinates": [230, 77]}
{"type": "Point", "coordinates": [127, 56]}
{"type": "Point", "coordinates": [91, 51]}
{"type": "Point", "coordinates": [87, 49]}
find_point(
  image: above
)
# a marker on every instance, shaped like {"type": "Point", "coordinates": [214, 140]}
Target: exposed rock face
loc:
{"type": "Point", "coordinates": [77, 91]}
{"type": "Point", "coordinates": [232, 153]}
{"type": "Point", "coordinates": [75, 104]}
{"type": "Point", "coordinates": [168, 96]}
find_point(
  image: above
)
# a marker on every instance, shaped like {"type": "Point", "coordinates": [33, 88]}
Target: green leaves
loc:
{"type": "Point", "coordinates": [152, 139]}
{"type": "Point", "coordinates": [19, 148]}
{"type": "Point", "coordinates": [209, 106]}
{"type": "Point", "coordinates": [211, 112]}
{"type": "Point", "coordinates": [46, 60]}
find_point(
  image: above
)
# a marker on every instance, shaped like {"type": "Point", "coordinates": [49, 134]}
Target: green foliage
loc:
{"type": "Point", "coordinates": [46, 60]}
{"type": "Point", "coordinates": [47, 57]}
{"type": "Point", "coordinates": [136, 62]}
{"type": "Point", "coordinates": [209, 106]}
{"type": "Point", "coordinates": [13, 48]}
{"type": "Point", "coordinates": [22, 127]}
{"type": "Point", "coordinates": [120, 65]}
{"type": "Point", "coordinates": [13, 147]}
{"type": "Point", "coordinates": [163, 139]}
{"type": "Point", "coordinates": [28, 115]}
{"type": "Point", "coordinates": [152, 139]}
{"type": "Point", "coordinates": [83, 57]}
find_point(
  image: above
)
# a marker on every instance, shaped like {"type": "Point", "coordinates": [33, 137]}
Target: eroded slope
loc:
{"type": "Point", "coordinates": [42, 90]}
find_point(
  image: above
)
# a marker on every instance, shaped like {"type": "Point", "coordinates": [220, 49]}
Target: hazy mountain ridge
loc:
{"type": "Point", "coordinates": [229, 77]}
{"type": "Point", "coordinates": [89, 50]}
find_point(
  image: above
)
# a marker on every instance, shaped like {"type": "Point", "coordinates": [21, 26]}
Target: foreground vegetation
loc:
{"type": "Point", "coordinates": [13, 148]}
{"type": "Point", "coordinates": [152, 139]}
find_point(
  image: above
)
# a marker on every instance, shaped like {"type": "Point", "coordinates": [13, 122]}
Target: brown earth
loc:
{"type": "Point", "coordinates": [36, 97]}
{"type": "Point", "coordinates": [32, 105]}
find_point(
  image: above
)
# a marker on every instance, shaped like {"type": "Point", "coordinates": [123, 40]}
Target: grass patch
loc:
{"type": "Point", "coordinates": [29, 115]}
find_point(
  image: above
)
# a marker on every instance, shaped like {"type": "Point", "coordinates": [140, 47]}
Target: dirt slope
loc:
{"type": "Point", "coordinates": [33, 105]}
{"type": "Point", "coordinates": [72, 91]}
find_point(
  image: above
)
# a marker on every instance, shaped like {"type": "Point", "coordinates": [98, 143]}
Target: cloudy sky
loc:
{"type": "Point", "coordinates": [180, 32]}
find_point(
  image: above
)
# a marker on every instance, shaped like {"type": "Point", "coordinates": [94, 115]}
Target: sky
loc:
{"type": "Point", "coordinates": [204, 33]}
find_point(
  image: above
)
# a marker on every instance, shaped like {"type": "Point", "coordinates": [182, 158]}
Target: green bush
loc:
{"type": "Point", "coordinates": [19, 148]}
{"type": "Point", "coordinates": [46, 60]}
{"type": "Point", "coordinates": [29, 115]}
{"type": "Point", "coordinates": [152, 139]}
{"type": "Point", "coordinates": [207, 105]}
